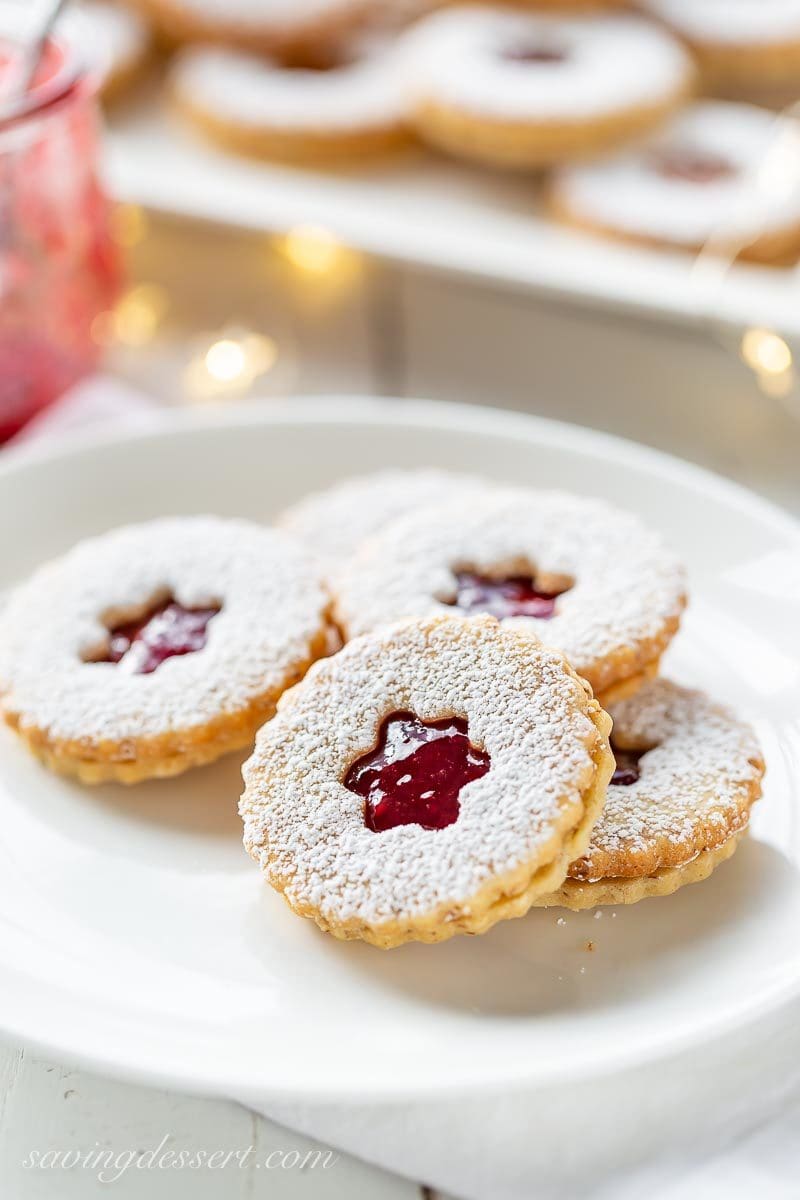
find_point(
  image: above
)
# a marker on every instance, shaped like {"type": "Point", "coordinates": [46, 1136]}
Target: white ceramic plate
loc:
{"type": "Point", "coordinates": [136, 936]}
{"type": "Point", "coordinates": [427, 211]}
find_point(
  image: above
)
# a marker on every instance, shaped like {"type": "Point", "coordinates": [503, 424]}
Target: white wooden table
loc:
{"type": "Point", "coordinates": [373, 329]}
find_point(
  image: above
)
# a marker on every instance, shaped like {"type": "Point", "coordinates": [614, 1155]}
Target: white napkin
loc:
{"type": "Point", "coordinates": [720, 1122]}
{"type": "Point", "coordinates": [98, 403]}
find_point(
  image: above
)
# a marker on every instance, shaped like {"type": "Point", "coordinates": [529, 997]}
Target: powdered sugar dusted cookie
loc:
{"type": "Point", "coordinates": [688, 772]}
{"type": "Point", "coordinates": [697, 179]}
{"type": "Point", "coordinates": [288, 28]}
{"type": "Point", "coordinates": [581, 575]}
{"type": "Point", "coordinates": [572, 6]}
{"type": "Point", "coordinates": [518, 89]}
{"type": "Point", "coordinates": [158, 647]}
{"type": "Point", "coordinates": [356, 106]}
{"type": "Point", "coordinates": [741, 45]}
{"type": "Point", "coordinates": [430, 779]}
{"type": "Point", "coordinates": [335, 522]}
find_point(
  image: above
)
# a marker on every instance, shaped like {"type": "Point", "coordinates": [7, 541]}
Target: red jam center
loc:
{"type": "Point", "coordinates": [165, 632]}
{"type": "Point", "coordinates": [627, 770]}
{"type": "Point", "coordinates": [512, 596]}
{"type": "Point", "coordinates": [416, 771]}
{"type": "Point", "coordinates": [535, 54]}
{"type": "Point", "coordinates": [692, 166]}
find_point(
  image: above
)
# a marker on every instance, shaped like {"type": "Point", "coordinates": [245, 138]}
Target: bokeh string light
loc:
{"type": "Point", "coordinates": [312, 249]}
{"type": "Point", "coordinates": [129, 225]}
{"type": "Point", "coordinates": [320, 268]}
{"type": "Point", "coordinates": [135, 319]}
{"type": "Point", "coordinates": [320, 264]}
{"type": "Point", "coordinates": [770, 358]}
{"type": "Point", "coordinates": [229, 365]}
{"type": "Point", "coordinates": [777, 178]}
{"type": "Point", "coordinates": [229, 362]}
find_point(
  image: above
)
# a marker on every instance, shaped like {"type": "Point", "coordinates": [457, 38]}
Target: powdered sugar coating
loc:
{"type": "Point", "coordinates": [522, 705]}
{"type": "Point", "coordinates": [273, 609]}
{"type": "Point", "coordinates": [612, 64]}
{"type": "Point", "coordinates": [730, 22]}
{"type": "Point", "coordinates": [623, 607]}
{"type": "Point", "coordinates": [628, 193]}
{"type": "Point", "coordinates": [251, 92]}
{"type": "Point", "coordinates": [335, 522]}
{"type": "Point", "coordinates": [695, 789]}
{"type": "Point", "coordinates": [260, 16]}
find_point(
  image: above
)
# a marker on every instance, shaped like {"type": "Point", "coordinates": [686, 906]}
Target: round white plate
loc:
{"type": "Point", "coordinates": [136, 936]}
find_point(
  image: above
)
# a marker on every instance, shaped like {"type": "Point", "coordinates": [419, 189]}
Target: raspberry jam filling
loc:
{"type": "Point", "coordinates": [535, 54]}
{"type": "Point", "coordinates": [167, 631]}
{"type": "Point", "coordinates": [512, 596]}
{"type": "Point", "coordinates": [416, 771]}
{"type": "Point", "coordinates": [692, 166]}
{"type": "Point", "coordinates": [627, 770]}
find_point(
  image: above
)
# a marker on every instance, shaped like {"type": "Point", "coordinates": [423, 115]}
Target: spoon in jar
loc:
{"type": "Point", "coordinates": [26, 66]}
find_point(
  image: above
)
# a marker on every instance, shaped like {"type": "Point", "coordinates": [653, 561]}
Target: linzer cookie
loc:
{"type": "Point", "coordinates": [158, 647]}
{"type": "Point", "coordinates": [584, 577]}
{"type": "Point", "coordinates": [354, 107]}
{"type": "Point", "coordinates": [334, 523]}
{"type": "Point", "coordinates": [743, 47]}
{"type": "Point", "coordinates": [687, 774]}
{"type": "Point", "coordinates": [302, 29]}
{"type": "Point", "coordinates": [509, 88]}
{"type": "Point", "coordinates": [697, 181]}
{"type": "Point", "coordinates": [431, 779]}
{"type": "Point", "coordinates": [572, 6]}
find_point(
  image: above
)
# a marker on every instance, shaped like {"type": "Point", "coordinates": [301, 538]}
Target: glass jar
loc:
{"type": "Point", "coordinates": [59, 267]}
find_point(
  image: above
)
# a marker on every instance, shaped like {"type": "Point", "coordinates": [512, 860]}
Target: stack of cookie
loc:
{"type": "Point", "coordinates": [457, 712]}
{"type": "Point", "coordinates": [539, 620]}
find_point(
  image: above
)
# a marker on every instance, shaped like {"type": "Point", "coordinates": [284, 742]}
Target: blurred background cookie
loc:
{"type": "Point", "coordinates": [744, 48]}
{"type": "Point", "coordinates": [287, 28]}
{"type": "Point", "coordinates": [698, 180]}
{"type": "Point", "coordinates": [355, 106]}
{"type": "Point", "coordinates": [515, 89]}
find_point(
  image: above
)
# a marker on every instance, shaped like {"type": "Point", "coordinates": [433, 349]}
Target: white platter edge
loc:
{"type": "Point", "coordinates": [444, 220]}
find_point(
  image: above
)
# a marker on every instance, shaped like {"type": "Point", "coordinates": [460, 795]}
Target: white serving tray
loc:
{"type": "Point", "coordinates": [429, 212]}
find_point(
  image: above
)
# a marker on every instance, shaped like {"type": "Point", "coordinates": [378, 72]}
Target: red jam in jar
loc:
{"type": "Point", "coordinates": [59, 266]}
